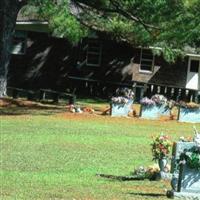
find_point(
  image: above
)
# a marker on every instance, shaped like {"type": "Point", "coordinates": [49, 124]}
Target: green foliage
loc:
{"type": "Point", "coordinates": [170, 25]}
{"type": "Point", "coordinates": [61, 22]}
{"type": "Point", "coordinates": [192, 158]}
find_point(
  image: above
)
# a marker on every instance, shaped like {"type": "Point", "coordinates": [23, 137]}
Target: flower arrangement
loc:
{"type": "Point", "coordinates": [125, 92]}
{"type": "Point", "coordinates": [192, 158]}
{"type": "Point", "coordinates": [190, 105]}
{"type": "Point", "coordinates": [161, 147]}
{"type": "Point", "coordinates": [171, 104]}
{"type": "Point", "coordinates": [187, 139]}
{"type": "Point", "coordinates": [150, 172]}
{"type": "Point", "coordinates": [156, 99]}
{"type": "Point", "coordinates": [123, 96]}
{"type": "Point", "coordinates": [159, 99]}
{"type": "Point", "coordinates": [148, 102]}
{"type": "Point", "coordinates": [119, 100]}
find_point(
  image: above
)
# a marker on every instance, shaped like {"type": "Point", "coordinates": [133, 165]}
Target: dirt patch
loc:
{"type": "Point", "coordinates": [107, 118]}
{"type": "Point", "coordinates": [89, 113]}
{"type": "Point", "coordinates": [4, 103]}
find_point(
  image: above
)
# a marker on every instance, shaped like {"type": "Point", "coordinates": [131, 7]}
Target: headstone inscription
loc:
{"type": "Point", "coordinates": [185, 180]}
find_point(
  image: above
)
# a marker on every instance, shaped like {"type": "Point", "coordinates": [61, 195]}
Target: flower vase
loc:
{"type": "Point", "coordinates": [162, 162]}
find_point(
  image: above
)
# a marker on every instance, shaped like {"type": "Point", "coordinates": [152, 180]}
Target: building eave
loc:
{"type": "Point", "coordinates": [35, 26]}
{"type": "Point", "coordinates": [193, 55]}
{"type": "Point", "coordinates": [32, 22]}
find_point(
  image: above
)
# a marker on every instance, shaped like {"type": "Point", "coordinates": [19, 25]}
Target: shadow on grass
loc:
{"type": "Point", "coordinates": [156, 195]}
{"type": "Point", "coordinates": [29, 111]}
{"type": "Point", "coordinates": [92, 101]}
{"type": "Point", "coordinates": [9, 106]}
{"type": "Point", "coordinates": [22, 107]}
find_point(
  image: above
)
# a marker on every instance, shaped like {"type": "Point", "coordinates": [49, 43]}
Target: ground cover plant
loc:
{"type": "Point", "coordinates": [57, 156]}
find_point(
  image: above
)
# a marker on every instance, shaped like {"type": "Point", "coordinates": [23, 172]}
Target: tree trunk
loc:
{"type": "Point", "coordinates": [8, 14]}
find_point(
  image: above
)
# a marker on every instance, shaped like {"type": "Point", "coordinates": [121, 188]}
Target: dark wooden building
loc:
{"type": "Point", "coordinates": [97, 66]}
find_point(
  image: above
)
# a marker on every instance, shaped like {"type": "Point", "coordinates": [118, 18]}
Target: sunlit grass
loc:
{"type": "Point", "coordinates": [57, 157]}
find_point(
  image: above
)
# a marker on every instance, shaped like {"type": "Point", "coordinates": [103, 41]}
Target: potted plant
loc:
{"type": "Point", "coordinates": [161, 148]}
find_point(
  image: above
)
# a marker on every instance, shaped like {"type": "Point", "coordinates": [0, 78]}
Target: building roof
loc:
{"type": "Point", "coordinates": [191, 51]}
{"type": "Point", "coordinates": [28, 20]}
{"type": "Point", "coordinates": [28, 14]}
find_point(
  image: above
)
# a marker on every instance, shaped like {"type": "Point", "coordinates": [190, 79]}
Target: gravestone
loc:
{"type": "Point", "coordinates": [154, 111]}
{"type": "Point", "coordinates": [185, 181]}
{"type": "Point", "coordinates": [121, 109]}
{"type": "Point", "coordinates": [191, 115]}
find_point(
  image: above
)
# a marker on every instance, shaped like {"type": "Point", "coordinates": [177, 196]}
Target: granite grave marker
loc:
{"type": "Point", "coordinates": [185, 180]}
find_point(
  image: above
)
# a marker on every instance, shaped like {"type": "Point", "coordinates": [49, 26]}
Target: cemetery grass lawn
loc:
{"type": "Point", "coordinates": [57, 156]}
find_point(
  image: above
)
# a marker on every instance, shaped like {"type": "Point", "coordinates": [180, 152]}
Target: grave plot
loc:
{"type": "Point", "coordinates": [121, 109]}
{"type": "Point", "coordinates": [191, 115]}
{"type": "Point", "coordinates": [186, 171]}
{"type": "Point", "coordinates": [155, 107]}
{"type": "Point", "coordinates": [121, 103]}
{"type": "Point", "coordinates": [154, 111]}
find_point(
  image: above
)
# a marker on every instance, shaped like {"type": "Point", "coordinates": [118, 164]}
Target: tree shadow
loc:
{"type": "Point", "coordinates": [23, 107]}
{"type": "Point", "coordinates": [156, 195]}
{"type": "Point", "coordinates": [29, 111]}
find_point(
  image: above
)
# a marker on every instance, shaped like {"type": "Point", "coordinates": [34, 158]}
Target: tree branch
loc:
{"type": "Point", "coordinates": [96, 7]}
{"type": "Point", "coordinates": [117, 9]}
{"type": "Point", "coordinates": [132, 17]}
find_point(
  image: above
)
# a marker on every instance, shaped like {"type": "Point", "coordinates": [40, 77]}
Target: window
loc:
{"type": "Point", "coordinates": [146, 61]}
{"type": "Point", "coordinates": [93, 54]}
{"type": "Point", "coordinates": [194, 66]}
{"type": "Point", "coordinates": [19, 43]}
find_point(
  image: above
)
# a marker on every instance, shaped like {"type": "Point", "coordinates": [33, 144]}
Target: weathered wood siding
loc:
{"type": "Point", "coordinates": [169, 74]}
{"type": "Point", "coordinates": [53, 63]}
{"type": "Point", "coordinates": [44, 65]}
{"type": "Point", "coordinates": [114, 58]}
{"type": "Point", "coordinates": [116, 66]}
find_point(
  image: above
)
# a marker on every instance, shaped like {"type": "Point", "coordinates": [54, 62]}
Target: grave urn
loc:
{"type": "Point", "coordinates": [162, 163]}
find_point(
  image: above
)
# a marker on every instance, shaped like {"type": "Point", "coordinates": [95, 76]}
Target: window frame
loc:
{"type": "Point", "coordinates": [188, 70]}
{"type": "Point", "coordinates": [23, 42]}
{"type": "Point", "coordinates": [89, 53]}
{"type": "Point", "coordinates": [190, 66]}
{"type": "Point", "coordinates": [145, 59]}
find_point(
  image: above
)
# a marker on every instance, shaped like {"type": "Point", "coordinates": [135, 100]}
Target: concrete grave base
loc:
{"type": "Point", "coordinates": [166, 176]}
{"type": "Point", "coordinates": [186, 196]}
{"type": "Point", "coordinates": [185, 180]}
{"type": "Point", "coordinates": [154, 112]}
{"type": "Point", "coordinates": [121, 110]}
{"type": "Point", "coordinates": [191, 115]}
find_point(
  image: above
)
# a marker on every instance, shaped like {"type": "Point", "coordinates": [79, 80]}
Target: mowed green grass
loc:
{"type": "Point", "coordinates": [56, 157]}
